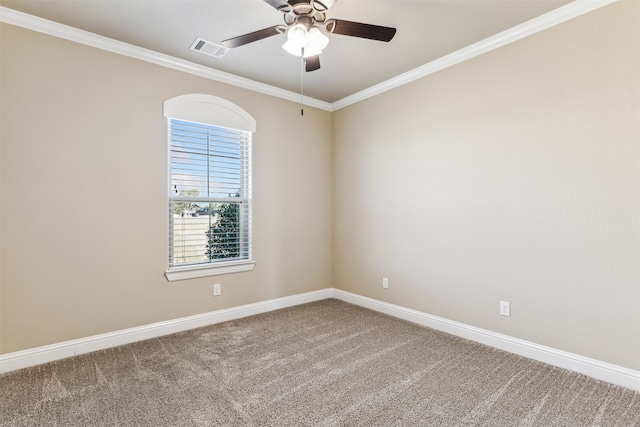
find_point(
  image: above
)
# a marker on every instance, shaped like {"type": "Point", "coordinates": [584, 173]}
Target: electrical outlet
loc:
{"type": "Point", "coordinates": [505, 308]}
{"type": "Point", "coordinates": [385, 283]}
{"type": "Point", "coordinates": [217, 289]}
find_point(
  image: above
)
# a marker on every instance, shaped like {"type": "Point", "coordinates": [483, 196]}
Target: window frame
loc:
{"type": "Point", "coordinates": [214, 111]}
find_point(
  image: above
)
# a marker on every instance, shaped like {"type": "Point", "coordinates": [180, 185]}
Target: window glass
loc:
{"type": "Point", "coordinates": [209, 194]}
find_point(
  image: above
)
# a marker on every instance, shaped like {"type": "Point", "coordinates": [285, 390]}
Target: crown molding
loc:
{"type": "Point", "coordinates": [548, 20]}
{"type": "Point", "coordinates": [66, 32]}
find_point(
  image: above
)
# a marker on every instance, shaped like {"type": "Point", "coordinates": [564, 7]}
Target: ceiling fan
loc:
{"type": "Point", "coordinates": [306, 27]}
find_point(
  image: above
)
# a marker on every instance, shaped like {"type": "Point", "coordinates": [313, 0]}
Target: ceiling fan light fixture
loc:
{"type": "Point", "coordinates": [300, 40]}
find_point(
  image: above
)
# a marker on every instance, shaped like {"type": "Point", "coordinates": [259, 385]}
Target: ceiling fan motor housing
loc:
{"type": "Point", "coordinates": [304, 12]}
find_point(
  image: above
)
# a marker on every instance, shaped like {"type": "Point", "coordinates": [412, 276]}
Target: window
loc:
{"type": "Point", "coordinates": [209, 187]}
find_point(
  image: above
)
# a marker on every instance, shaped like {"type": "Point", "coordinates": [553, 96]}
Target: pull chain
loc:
{"type": "Point", "coordinates": [302, 83]}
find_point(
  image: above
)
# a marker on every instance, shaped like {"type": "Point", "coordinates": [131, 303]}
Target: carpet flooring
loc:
{"type": "Point", "coordinates": [326, 363]}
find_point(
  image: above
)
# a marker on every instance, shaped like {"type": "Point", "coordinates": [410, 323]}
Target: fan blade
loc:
{"type": "Point", "coordinates": [312, 63]}
{"type": "Point", "coordinates": [365, 31]}
{"type": "Point", "coordinates": [281, 5]}
{"type": "Point", "coordinates": [251, 37]}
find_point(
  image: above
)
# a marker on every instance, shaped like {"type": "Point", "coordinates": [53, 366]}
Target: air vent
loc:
{"type": "Point", "coordinates": [209, 48]}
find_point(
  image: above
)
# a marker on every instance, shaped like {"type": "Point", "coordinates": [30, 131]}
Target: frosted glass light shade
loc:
{"type": "Point", "coordinates": [292, 48]}
{"type": "Point", "coordinates": [297, 35]}
{"type": "Point", "coordinates": [316, 42]}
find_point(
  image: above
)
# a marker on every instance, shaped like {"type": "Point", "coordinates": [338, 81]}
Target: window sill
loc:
{"type": "Point", "coordinates": [194, 272]}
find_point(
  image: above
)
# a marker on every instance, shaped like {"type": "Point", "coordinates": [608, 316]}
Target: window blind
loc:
{"type": "Point", "coordinates": [209, 194]}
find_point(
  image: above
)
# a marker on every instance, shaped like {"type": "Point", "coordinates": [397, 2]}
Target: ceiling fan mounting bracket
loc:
{"type": "Point", "coordinates": [330, 25]}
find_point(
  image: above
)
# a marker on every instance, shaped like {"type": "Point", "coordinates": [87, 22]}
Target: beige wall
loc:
{"type": "Point", "coordinates": [84, 193]}
{"type": "Point", "coordinates": [514, 176]}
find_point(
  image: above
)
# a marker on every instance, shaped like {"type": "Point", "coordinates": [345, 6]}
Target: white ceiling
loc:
{"type": "Point", "coordinates": [426, 30]}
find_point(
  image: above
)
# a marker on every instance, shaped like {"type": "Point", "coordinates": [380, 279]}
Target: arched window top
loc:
{"type": "Point", "coordinates": [209, 109]}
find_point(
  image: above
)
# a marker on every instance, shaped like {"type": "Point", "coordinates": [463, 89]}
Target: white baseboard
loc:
{"type": "Point", "coordinates": [601, 370]}
{"type": "Point", "coordinates": [49, 353]}
{"type": "Point", "coordinates": [594, 368]}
